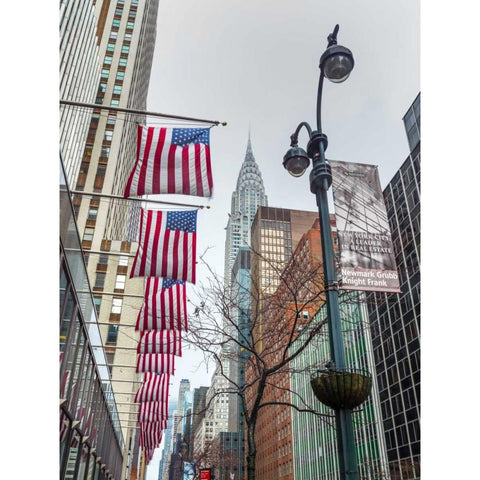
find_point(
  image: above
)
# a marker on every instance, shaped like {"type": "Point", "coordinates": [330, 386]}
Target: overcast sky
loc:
{"type": "Point", "coordinates": [254, 64]}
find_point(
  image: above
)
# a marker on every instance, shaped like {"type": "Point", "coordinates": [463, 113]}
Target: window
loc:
{"type": "Point", "coordinates": [128, 37]}
{"type": "Point", "coordinates": [113, 35]}
{"type": "Point", "coordinates": [105, 72]}
{"type": "Point", "coordinates": [92, 213]}
{"type": "Point", "coordinates": [120, 76]}
{"type": "Point", "coordinates": [130, 25]}
{"type": "Point", "coordinates": [120, 282]}
{"type": "Point", "coordinates": [117, 305]}
{"type": "Point", "coordinates": [88, 234]}
{"type": "Point", "coordinates": [97, 301]}
{"type": "Point", "coordinates": [105, 152]}
{"type": "Point", "coordinates": [108, 135]}
{"type": "Point", "coordinates": [116, 23]}
{"type": "Point", "coordinates": [103, 259]}
{"type": "Point", "coordinates": [123, 262]}
{"type": "Point", "coordinates": [108, 60]}
{"type": "Point", "coordinates": [111, 120]}
{"type": "Point", "coordinates": [102, 87]}
{"type": "Point", "coordinates": [125, 48]}
{"type": "Point", "coordinates": [100, 279]}
{"type": "Point", "coordinates": [117, 89]}
{"type": "Point", "coordinates": [122, 62]}
{"type": "Point", "coordinates": [112, 334]}
{"type": "Point", "coordinates": [115, 103]}
{"type": "Point", "coordinates": [110, 47]}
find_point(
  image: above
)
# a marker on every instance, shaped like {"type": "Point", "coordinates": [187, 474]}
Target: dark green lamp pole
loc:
{"type": "Point", "coordinates": [336, 63]}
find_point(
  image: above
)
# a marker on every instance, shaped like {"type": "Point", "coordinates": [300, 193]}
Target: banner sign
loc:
{"type": "Point", "coordinates": [367, 259]}
{"type": "Point", "coordinates": [205, 474]}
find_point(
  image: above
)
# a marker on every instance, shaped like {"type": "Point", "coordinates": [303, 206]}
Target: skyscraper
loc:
{"type": "Point", "coordinates": [249, 194]}
{"type": "Point", "coordinates": [395, 318]}
{"type": "Point", "coordinates": [276, 233]}
{"type": "Point", "coordinates": [97, 160]}
{"type": "Point", "coordinates": [79, 75]}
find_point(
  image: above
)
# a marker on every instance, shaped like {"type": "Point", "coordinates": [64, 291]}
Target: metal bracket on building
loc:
{"type": "Point", "coordinates": [332, 286]}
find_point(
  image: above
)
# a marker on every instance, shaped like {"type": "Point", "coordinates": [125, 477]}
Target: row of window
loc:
{"type": "Point", "coordinates": [84, 413]}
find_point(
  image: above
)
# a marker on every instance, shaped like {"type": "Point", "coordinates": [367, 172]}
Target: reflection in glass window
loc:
{"type": "Point", "coordinates": [88, 233]}
{"type": "Point", "coordinates": [112, 333]}
{"type": "Point", "coordinates": [120, 282]}
{"type": "Point", "coordinates": [117, 305]}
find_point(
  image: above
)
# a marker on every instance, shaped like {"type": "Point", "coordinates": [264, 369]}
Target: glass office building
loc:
{"type": "Point", "coordinates": [314, 437]}
{"type": "Point", "coordinates": [395, 318]}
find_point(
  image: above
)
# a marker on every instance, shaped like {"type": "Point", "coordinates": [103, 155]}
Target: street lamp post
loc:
{"type": "Point", "coordinates": [336, 63]}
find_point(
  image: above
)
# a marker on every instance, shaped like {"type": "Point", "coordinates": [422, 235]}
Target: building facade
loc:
{"type": "Point", "coordinates": [78, 79]}
{"type": "Point", "coordinates": [91, 439]}
{"type": "Point", "coordinates": [167, 442]}
{"type": "Point", "coordinates": [395, 318]}
{"type": "Point", "coordinates": [276, 232]}
{"type": "Point", "coordinates": [96, 160]}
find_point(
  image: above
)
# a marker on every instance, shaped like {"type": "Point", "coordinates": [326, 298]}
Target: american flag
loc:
{"type": "Point", "coordinates": [167, 245]}
{"type": "Point", "coordinates": [165, 306]}
{"type": "Point", "coordinates": [152, 412]}
{"type": "Point", "coordinates": [150, 435]}
{"type": "Point", "coordinates": [149, 455]}
{"type": "Point", "coordinates": [156, 362]}
{"type": "Point", "coordinates": [171, 160]}
{"type": "Point", "coordinates": [155, 388]}
{"type": "Point", "coordinates": [160, 341]}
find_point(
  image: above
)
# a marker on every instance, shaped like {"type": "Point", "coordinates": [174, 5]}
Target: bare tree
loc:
{"type": "Point", "coordinates": [262, 328]}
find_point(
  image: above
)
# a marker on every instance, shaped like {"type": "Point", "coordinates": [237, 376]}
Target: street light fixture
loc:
{"type": "Point", "coordinates": [336, 64]}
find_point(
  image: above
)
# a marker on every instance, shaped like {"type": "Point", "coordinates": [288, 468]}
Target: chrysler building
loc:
{"type": "Point", "coordinates": [248, 195]}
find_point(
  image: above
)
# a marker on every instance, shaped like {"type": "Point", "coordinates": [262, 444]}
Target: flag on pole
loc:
{"type": "Point", "coordinates": [155, 388]}
{"type": "Point", "coordinates": [161, 424]}
{"type": "Point", "coordinates": [152, 412]}
{"type": "Point", "coordinates": [165, 306]}
{"type": "Point", "coordinates": [156, 362]}
{"type": "Point", "coordinates": [150, 435]}
{"type": "Point", "coordinates": [160, 341]}
{"type": "Point", "coordinates": [149, 455]}
{"type": "Point", "coordinates": [167, 245]}
{"type": "Point", "coordinates": [171, 160]}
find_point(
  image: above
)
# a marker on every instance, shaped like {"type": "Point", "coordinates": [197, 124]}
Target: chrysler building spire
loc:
{"type": "Point", "coordinates": [248, 195]}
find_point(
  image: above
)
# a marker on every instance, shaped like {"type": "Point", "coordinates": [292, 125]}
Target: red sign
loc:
{"type": "Point", "coordinates": [205, 474]}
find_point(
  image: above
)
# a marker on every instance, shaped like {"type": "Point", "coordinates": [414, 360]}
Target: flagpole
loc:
{"type": "Point", "coordinates": [136, 199]}
{"type": "Point", "coordinates": [96, 106]}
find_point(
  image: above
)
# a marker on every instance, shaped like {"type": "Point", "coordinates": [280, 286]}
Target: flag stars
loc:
{"type": "Point", "coordinates": [185, 221]}
{"type": "Point", "coordinates": [185, 136]}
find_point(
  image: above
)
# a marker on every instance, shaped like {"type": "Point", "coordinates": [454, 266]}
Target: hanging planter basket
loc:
{"type": "Point", "coordinates": [346, 389]}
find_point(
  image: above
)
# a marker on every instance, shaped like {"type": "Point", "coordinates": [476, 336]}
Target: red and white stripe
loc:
{"type": "Point", "coordinates": [164, 308]}
{"type": "Point", "coordinates": [152, 412]}
{"type": "Point", "coordinates": [162, 167]}
{"type": "Point", "coordinates": [155, 389]}
{"type": "Point", "coordinates": [160, 425]}
{"type": "Point", "coordinates": [149, 455]}
{"type": "Point", "coordinates": [64, 425]}
{"type": "Point", "coordinates": [150, 435]}
{"type": "Point", "coordinates": [156, 362]}
{"type": "Point", "coordinates": [164, 253]}
{"type": "Point", "coordinates": [161, 341]}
